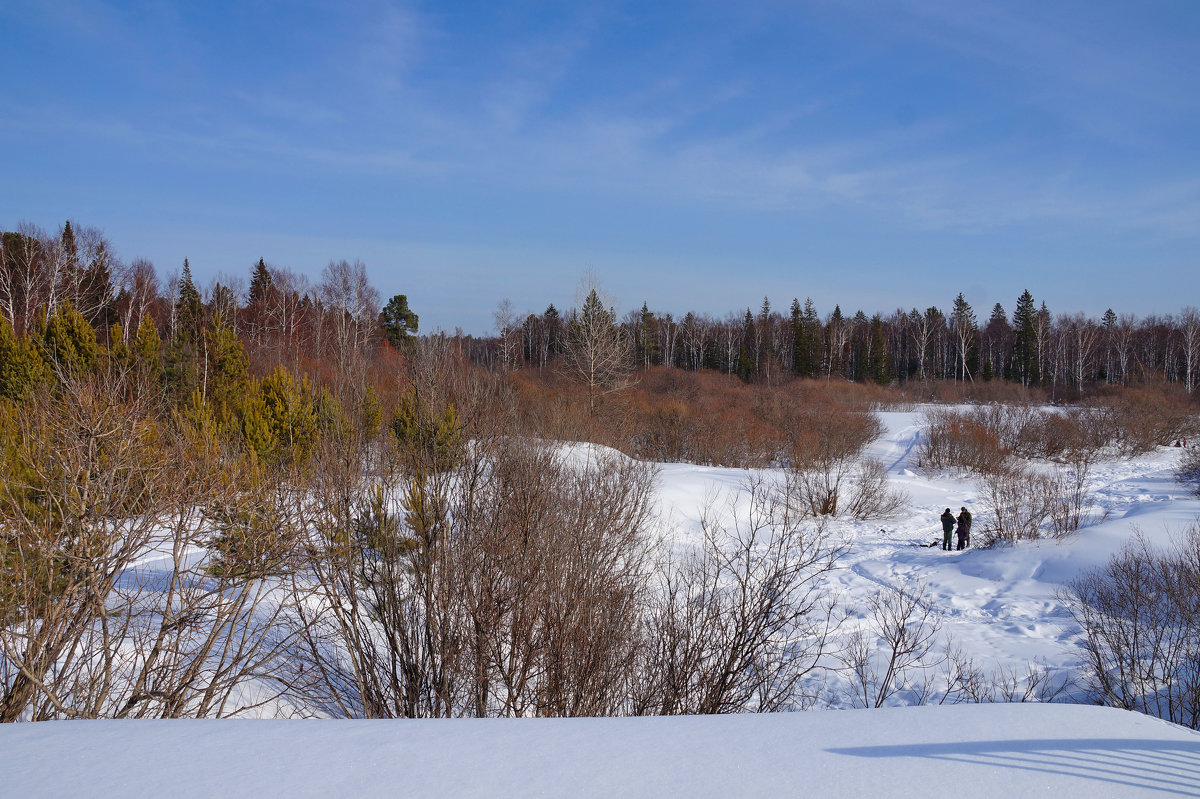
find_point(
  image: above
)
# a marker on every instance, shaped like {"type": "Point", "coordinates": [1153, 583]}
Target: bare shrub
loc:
{"type": "Point", "coordinates": [1023, 505]}
{"type": "Point", "coordinates": [953, 439]}
{"type": "Point", "coordinates": [895, 652]}
{"type": "Point", "coordinates": [1017, 503]}
{"type": "Point", "coordinates": [742, 620]}
{"type": "Point", "coordinates": [1146, 418]}
{"type": "Point", "coordinates": [1069, 501]}
{"type": "Point", "coordinates": [1188, 472]}
{"type": "Point", "coordinates": [88, 632]}
{"type": "Point", "coordinates": [1141, 629]}
{"type": "Point", "coordinates": [510, 585]}
{"type": "Point", "coordinates": [84, 491]}
{"type": "Point", "coordinates": [827, 474]}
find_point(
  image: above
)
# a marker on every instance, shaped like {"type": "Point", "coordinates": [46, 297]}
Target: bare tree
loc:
{"type": "Point", "coordinates": [598, 353]}
{"type": "Point", "coordinates": [353, 307]}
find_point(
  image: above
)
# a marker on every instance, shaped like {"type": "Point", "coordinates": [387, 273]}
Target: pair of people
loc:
{"type": "Point", "coordinates": [964, 528]}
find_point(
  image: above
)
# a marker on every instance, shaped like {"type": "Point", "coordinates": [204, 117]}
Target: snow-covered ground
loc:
{"type": "Point", "coordinates": [978, 751]}
{"type": "Point", "coordinates": [1000, 607]}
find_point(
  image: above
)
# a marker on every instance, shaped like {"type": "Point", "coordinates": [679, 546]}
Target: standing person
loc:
{"type": "Point", "coordinates": [964, 529]}
{"type": "Point", "coordinates": [947, 528]}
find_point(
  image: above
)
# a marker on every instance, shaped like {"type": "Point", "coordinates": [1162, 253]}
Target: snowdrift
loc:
{"type": "Point", "coordinates": [978, 751]}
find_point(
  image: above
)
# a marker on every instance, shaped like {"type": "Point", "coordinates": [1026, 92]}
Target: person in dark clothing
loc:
{"type": "Point", "coordinates": [947, 528]}
{"type": "Point", "coordinates": [964, 529]}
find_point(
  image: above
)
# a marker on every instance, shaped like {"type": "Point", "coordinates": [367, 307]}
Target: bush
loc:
{"type": "Point", "coordinates": [953, 439]}
{"type": "Point", "coordinates": [1022, 505]}
{"type": "Point", "coordinates": [1189, 468]}
{"type": "Point", "coordinates": [1141, 626]}
{"type": "Point", "coordinates": [1146, 418]}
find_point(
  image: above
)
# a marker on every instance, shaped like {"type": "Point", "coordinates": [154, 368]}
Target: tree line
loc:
{"type": "Point", "coordinates": [284, 320]}
{"type": "Point", "coordinates": [1065, 353]}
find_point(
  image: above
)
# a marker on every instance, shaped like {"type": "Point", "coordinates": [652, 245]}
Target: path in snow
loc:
{"type": "Point", "coordinates": [1000, 605]}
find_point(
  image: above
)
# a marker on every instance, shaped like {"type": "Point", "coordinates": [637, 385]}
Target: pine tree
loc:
{"type": "Point", "coordinates": [279, 419]}
{"type": "Point", "coordinates": [147, 351]}
{"type": "Point", "coordinates": [21, 365]}
{"type": "Point", "coordinates": [398, 321]}
{"type": "Point", "coordinates": [225, 369]}
{"type": "Point", "coordinates": [429, 440]}
{"type": "Point", "coordinates": [66, 341]}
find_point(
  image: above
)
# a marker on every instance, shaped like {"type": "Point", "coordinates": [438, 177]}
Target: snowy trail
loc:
{"type": "Point", "coordinates": [1000, 605]}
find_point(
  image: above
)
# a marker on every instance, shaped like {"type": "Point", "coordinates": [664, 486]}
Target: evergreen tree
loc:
{"type": "Point", "coordinates": [66, 341]}
{"type": "Point", "coordinates": [430, 440]}
{"type": "Point", "coordinates": [1025, 344]}
{"type": "Point", "coordinates": [995, 343]}
{"type": "Point", "coordinates": [147, 351]}
{"type": "Point", "coordinates": [799, 341]}
{"type": "Point", "coordinates": [189, 310]}
{"type": "Point", "coordinates": [878, 367]}
{"type": "Point", "coordinates": [260, 286]}
{"type": "Point", "coordinates": [70, 246]}
{"type": "Point", "coordinates": [835, 341]}
{"type": "Point", "coordinates": [225, 369]}
{"type": "Point", "coordinates": [398, 321]}
{"type": "Point", "coordinates": [95, 288]}
{"type": "Point", "coordinates": [745, 366]}
{"type": "Point", "coordinates": [966, 337]}
{"type": "Point", "coordinates": [647, 340]}
{"type": "Point", "coordinates": [279, 419]}
{"type": "Point", "coordinates": [812, 340]}
{"type": "Point", "coordinates": [183, 368]}
{"type": "Point", "coordinates": [21, 365]}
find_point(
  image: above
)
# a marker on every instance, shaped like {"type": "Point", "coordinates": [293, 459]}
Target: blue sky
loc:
{"type": "Point", "coordinates": [694, 155]}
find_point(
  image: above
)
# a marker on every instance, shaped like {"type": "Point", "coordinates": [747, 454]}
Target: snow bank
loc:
{"type": "Point", "coordinates": [978, 751]}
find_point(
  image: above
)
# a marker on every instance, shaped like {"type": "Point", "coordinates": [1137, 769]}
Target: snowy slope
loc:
{"type": "Point", "coordinates": [980, 751]}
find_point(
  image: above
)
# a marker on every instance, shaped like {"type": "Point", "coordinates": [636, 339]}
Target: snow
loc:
{"type": "Point", "coordinates": [1001, 607]}
{"type": "Point", "coordinates": [980, 751]}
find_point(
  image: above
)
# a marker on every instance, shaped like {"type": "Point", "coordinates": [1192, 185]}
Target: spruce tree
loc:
{"type": "Point", "coordinates": [95, 288]}
{"type": "Point", "coordinates": [796, 320]}
{"type": "Point", "coordinates": [1025, 354]}
{"type": "Point", "coordinates": [966, 337]}
{"type": "Point", "coordinates": [647, 340]}
{"type": "Point", "coordinates": [189, 310]}
{"type": "Point", "coordinates": [878, 363]}
{"type": "Point", "coordinates": [260, 285]}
